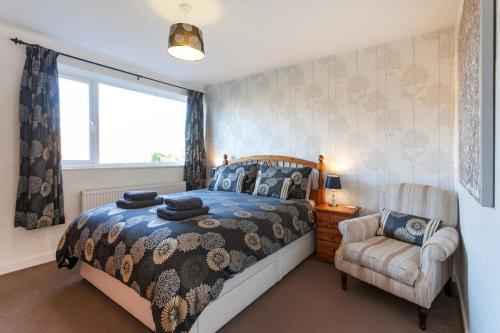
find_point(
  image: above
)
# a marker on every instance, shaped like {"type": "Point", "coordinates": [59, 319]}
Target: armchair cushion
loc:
{"type": "Point", "coordinates": [441, 245]}
{"type": "Point", "coordinates": [397, 260]}
{"type": "Point", "coordinates": [360, 228]}
{"type": "Point", "coordinates": [406, 227]}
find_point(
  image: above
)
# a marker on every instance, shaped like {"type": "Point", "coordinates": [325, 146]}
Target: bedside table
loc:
{"type": "Point", "coordinates": [328, 236]}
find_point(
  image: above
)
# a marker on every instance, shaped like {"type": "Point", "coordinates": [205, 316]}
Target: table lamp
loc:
{"type": "Point", "coordinates": [333, 183]}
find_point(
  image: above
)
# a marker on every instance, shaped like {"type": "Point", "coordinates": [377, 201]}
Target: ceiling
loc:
{"type": "Point", "coordinates": [242, 37]}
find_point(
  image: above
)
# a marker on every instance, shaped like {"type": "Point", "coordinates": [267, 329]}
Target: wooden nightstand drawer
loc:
{"type": "Point", "coordinates": [322, 217]}
{"type": "Point", "coordinates": [328, 234]}
{"type": "Point", "coordinates": [326, 247]}
{"type": "Point", "coordinates": [326, 223]}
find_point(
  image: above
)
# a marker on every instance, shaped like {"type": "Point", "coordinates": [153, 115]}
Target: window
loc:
{"type": "Point", "coordinates": [74, 102]}
{"type": "Point", "coordinates": [104, 124]}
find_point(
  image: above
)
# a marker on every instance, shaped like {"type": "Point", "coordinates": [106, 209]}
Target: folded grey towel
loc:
{"type": "Point", "coordinates": [183, 203]}
{"type": "Point", "coordinates": [139, 195]}
{"type": "Point", "coordinates": [178, 215]}
{"type": "Point", "coordinates": [129, 204]}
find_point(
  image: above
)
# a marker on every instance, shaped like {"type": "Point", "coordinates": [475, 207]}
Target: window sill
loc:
{"type": "Point", "coordinates": [121, 166]}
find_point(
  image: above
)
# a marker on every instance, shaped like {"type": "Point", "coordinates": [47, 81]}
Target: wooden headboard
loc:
{"type": "Point", "coordinates": [285, 161]}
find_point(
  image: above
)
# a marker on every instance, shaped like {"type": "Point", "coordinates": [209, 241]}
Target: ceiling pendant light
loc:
{"type": "Point", "coordinates": [185, 41]}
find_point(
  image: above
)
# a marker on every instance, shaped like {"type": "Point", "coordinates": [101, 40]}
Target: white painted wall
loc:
{"type": "Point", "coordinates": [478, 266]}
{"type": "Point", "coordinates": [20, 248]}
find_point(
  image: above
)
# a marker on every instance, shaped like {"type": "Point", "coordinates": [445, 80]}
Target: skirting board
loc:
{"type": "Point", "coordinates": [465, 321]}
{"type": "Point", "coordinates": [39, 259]}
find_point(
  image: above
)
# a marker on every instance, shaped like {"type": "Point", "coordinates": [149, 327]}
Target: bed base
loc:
{"type": "Point", "coordinates": [237, 293]}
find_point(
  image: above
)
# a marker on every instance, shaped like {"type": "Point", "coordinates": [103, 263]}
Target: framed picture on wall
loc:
{"type": "Point", "coordinates": [476, 97]}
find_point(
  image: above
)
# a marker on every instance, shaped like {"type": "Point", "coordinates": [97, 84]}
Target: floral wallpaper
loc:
{"type": "Point", "coordinates": [379, 115]}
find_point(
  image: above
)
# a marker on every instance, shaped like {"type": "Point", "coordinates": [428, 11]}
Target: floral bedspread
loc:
{"type": "Point", "coordinates": [181, 266]}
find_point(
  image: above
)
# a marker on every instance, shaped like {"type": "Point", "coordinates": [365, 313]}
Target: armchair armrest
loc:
{"type": "Point", "coordinates": [441, 245]}
{"type": "Point", "coordinates": [359, 228]}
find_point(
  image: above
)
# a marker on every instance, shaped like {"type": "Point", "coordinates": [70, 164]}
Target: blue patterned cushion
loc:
{"type": "Point", "coordinates": [299, 176]}
{"type": "Point", "coordinates": [407, 228]}
{"type": "Point", "coordinates": [230, 182]}
{"type": "Point", "coordinates": [273, 187]}
{"type": "Point", "coordinates": [249, 170]}
{"type": "Point", "coordinates": [214, 178]}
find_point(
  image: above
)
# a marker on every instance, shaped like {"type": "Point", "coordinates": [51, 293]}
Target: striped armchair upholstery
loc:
{"type": "Point", "coordinates": [414, 273]}
{"type": "Point", "coordinates": [421, 200]}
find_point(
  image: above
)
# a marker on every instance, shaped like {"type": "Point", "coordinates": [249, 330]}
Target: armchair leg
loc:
{"type": "Point", "coordinates": [344, 280]}
{"type": "Point", "coordinates": [422, 318]}
{"type": "Point", "coordinates": [448, 288]}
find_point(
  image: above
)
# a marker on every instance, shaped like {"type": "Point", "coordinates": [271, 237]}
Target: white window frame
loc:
{"type": "Point", "coordinates": [94, 79]}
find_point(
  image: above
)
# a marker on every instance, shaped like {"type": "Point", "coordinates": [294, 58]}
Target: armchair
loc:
{"type": "Point", "coordinates": [414, 273]}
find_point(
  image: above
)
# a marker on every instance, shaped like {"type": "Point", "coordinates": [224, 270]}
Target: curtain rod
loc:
{"type": "Point", "coordinates": [138, 76]}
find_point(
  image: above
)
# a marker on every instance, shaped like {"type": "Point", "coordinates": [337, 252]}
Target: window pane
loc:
{"type": "Point", "coordinates": [136, 127]}
{"type": "Point", "coordinates": [75, 113]}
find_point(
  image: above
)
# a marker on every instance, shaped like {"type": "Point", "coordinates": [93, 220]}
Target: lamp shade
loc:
{"type": "Point", "coordinates": [333, 182]}
{"type": "Point", "coordinates": [185, 42]}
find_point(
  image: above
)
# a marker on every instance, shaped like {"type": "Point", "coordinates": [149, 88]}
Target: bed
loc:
{"type": "Point", "coordinates": [194, 275]}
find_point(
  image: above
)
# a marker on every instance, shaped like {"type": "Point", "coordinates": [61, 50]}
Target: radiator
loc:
{"type": "Point", "coordinates": [98, 197]}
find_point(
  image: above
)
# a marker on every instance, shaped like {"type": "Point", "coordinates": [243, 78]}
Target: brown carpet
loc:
{"type": "Point", "coordinates": [309, 299]}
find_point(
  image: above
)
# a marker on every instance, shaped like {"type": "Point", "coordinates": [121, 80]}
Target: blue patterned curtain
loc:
{"type": "Point", "coordinates": [195, 164]}
{"type": "Point", "coordinates": [40, 191]}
